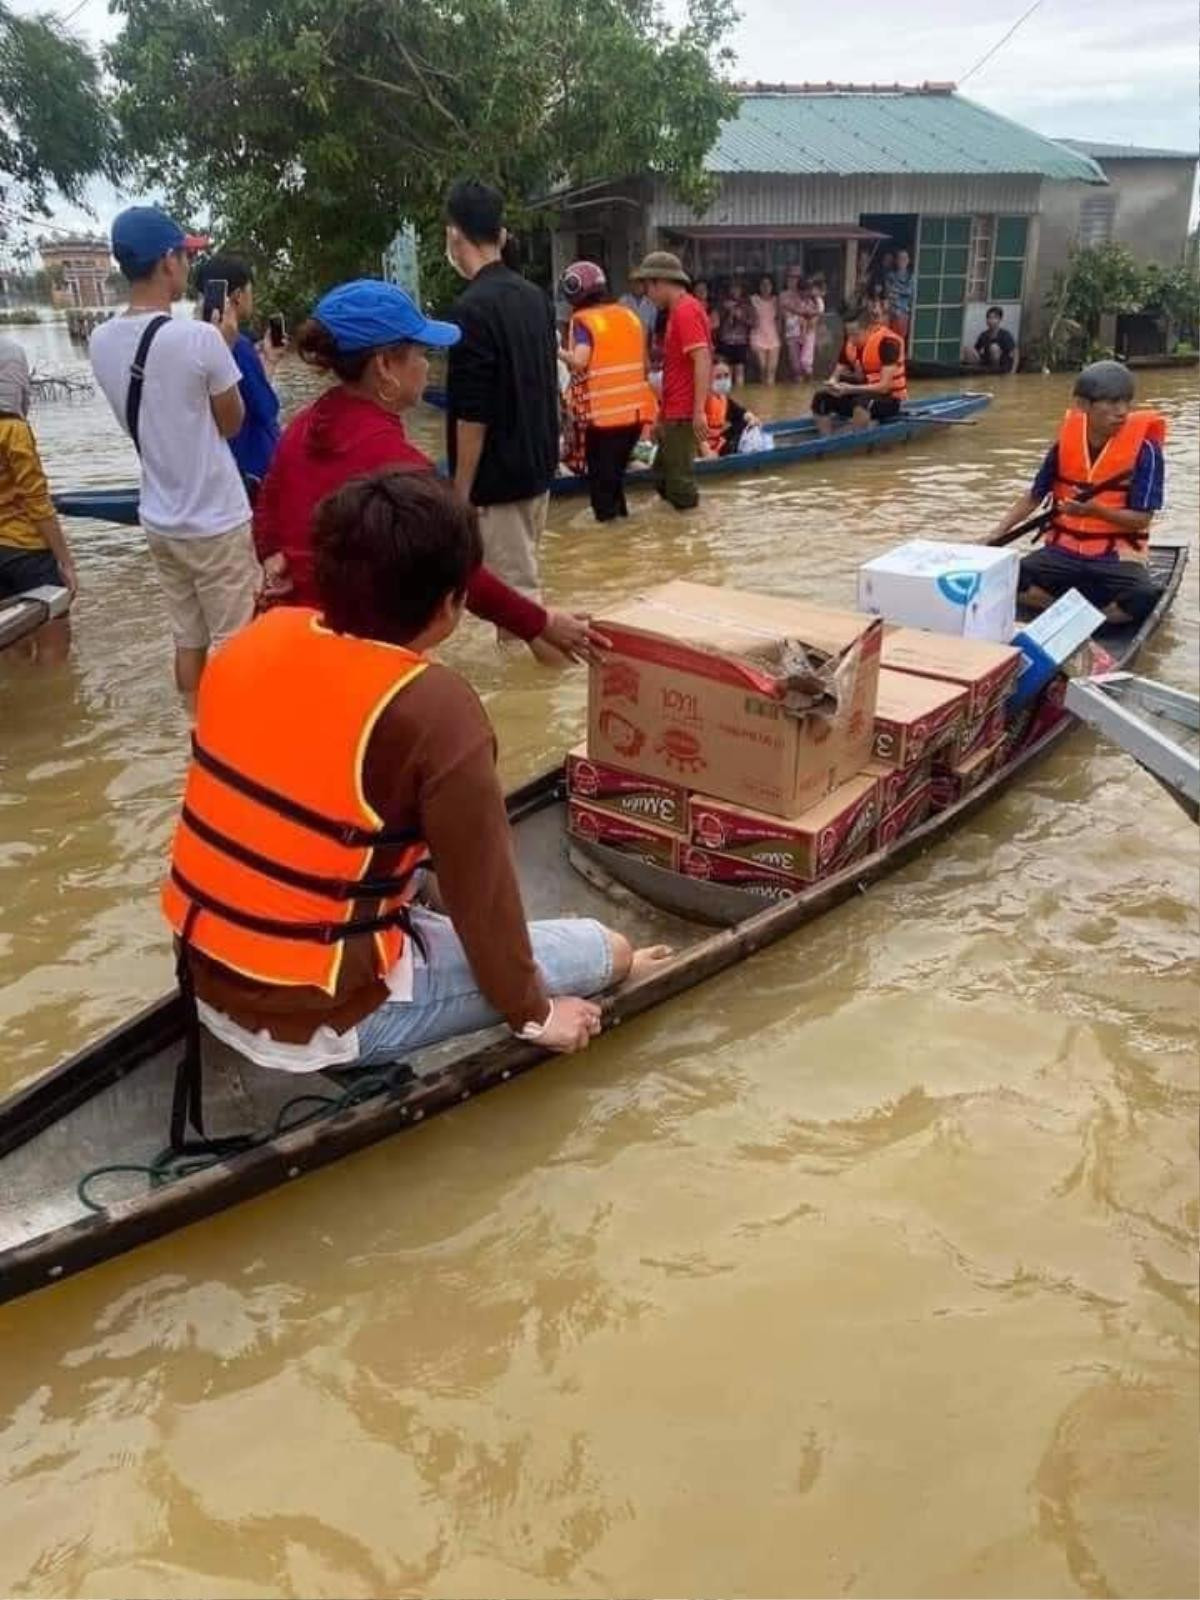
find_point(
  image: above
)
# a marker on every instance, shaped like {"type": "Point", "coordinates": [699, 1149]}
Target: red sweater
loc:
{"type": "Point", "coordinates": [339, 437]}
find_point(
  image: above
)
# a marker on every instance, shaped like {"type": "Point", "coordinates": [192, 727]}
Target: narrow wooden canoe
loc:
{"type": "Point", "coordinates": [109, 1105]}
{"type": "Point", "coordinates": [796, 440]}
{"type": "Point", "coordinates": [23, 614]}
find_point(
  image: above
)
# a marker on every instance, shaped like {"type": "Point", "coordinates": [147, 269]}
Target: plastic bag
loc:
{"type": "Point", "coordinates": [754, 440]}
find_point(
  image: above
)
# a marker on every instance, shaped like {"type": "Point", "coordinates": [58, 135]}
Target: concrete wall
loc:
{"type": "Point", "coordinates": [1151, 201]}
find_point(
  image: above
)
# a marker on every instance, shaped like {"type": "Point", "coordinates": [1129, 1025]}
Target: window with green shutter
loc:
{"type": "Point", "coordinates": [943, 262]}
{"type": "Point", "coordinates": [1008, 258]}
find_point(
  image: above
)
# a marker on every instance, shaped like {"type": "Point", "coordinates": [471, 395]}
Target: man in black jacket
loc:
{"type": "Point", "coordinates": [502, 388]}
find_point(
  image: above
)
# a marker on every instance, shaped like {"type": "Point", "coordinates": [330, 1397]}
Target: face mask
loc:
{"type": "Point", "coordinates": [722, 386]}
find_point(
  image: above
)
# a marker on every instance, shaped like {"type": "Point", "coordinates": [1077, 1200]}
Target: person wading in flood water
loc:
{"type": "Point", "coordinates": [609, 398]}
{"type": "Point", "coordinates": [333, 763]}
{"type": "Point", "coordinates": [1108, 462]}
{"type": "Point", "coordinates": [372, 338]}
{"type": "Point", "coordinates": [173, 386]}
{"type": "Point", "coordinates": [34, 552]}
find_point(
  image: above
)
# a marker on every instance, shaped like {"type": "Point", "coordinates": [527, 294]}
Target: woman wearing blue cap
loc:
{"type": "Point", "coordinates": [372, 338]}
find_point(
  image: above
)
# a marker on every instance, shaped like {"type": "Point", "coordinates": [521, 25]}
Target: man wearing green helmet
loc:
{"type": "Point", "coordinates": [1105, 476]}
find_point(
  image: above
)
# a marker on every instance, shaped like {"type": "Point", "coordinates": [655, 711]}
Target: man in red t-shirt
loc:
{"type": "Point", "coordinates": [687, 368]}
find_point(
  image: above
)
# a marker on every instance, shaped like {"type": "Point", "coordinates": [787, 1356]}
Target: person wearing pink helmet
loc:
{"type": "Point", "coordinates": [609, 401]}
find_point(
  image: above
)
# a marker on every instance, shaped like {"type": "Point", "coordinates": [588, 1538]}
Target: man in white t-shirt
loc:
{"type": "Point", "coordinates": [193, 506]}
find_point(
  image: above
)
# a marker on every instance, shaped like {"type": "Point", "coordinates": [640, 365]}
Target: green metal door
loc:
{"type": "Point", "coordinates": [942, 252]}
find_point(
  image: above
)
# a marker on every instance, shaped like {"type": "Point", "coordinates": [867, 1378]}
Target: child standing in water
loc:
{"type": "Point", "coordinates": [764, 339]}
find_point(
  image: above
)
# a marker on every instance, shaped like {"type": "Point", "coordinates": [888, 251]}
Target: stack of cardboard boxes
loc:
{"type": "Point", "coordinates": [762, 743]}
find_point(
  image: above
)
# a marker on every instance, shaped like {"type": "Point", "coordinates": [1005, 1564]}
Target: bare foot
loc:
{"type": "Point", "coordinates": [649, 960]}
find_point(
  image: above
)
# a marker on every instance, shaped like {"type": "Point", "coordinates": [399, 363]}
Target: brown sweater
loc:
{"type": "Point", "coordinates": [430, 766]}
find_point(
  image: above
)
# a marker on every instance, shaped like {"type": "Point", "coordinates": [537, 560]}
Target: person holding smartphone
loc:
{"type": "Point", "coordinates": [254, 443]}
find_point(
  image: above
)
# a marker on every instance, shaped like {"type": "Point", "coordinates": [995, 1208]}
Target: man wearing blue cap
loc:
{"type": "Point", "coordinates": [173, 386]}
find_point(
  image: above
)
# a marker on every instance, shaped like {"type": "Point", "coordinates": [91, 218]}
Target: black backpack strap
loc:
{"type": "Point", "coordinates": [137, 377]}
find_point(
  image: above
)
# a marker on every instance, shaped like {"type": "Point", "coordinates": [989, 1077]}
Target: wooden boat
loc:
{"type": "Point", "coordinates": [23, 614]}
{"type": "Point", "coordinates": [796, 440]}
{"type": "Point", "coordinates": [109, 1106]}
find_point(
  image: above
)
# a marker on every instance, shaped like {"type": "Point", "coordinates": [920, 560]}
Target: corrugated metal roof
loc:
{"type": "Point", "coordinates": [880, 132]}
{"type": "Point", "coordinates": [1099, 151]}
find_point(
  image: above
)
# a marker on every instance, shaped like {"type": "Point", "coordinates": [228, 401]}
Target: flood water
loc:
{"type": "Point", "coordinates": [868, 1268]}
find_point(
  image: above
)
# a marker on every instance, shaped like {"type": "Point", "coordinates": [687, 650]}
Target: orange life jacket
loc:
{"type": "Point", "coordinates": [716, 414]}
{"type": "Point", "coordinates": [613, 387]}
{"type": "Point", "coordinates": [873, 363]}
{"type": "Point", "coordinates": [272, 856]}
{"type": "Point", "coordinates": [1077, 532]}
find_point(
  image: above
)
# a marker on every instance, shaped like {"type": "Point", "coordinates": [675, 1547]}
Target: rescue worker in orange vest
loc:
{"type": "Point", "coordinates": [610, 401]}
{"type": "Point", "coordinates": [332, 761]}
{"type": "Point", "coordinates": [1108, 460]}
{"type": "Point", "coordinates": [727, 419]}
{"type": "Point", "coordinates": [878, 394]}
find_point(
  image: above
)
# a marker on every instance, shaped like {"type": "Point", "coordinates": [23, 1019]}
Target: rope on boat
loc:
{"type": "Point", "coordinates": [169, 1166]}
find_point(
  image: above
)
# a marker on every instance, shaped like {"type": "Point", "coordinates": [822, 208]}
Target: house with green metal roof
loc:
{"type": "Point", "coordinates": [831, 178]}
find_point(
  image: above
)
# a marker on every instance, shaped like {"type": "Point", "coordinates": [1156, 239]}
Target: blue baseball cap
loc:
{"type": "Point", "coordinates": [143, 235]}
{"type": "Point", "coordinates": [367, 314]}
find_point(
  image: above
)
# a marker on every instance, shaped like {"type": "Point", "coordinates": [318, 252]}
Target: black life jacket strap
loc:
{"type": "Point", "coordinates": [346, 833]}
{"type": "Point", "coordinates": [323, 933]}
{"type": "Point", "coordinates": [310, 882]}
{"type": "Point", "coordinates": [1089, 491]}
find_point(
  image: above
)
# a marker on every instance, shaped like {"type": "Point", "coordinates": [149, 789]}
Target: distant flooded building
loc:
{"type": "Point", "coordinates": [817, 175]}
{"type": "Point", "coordinates": [79, 265]}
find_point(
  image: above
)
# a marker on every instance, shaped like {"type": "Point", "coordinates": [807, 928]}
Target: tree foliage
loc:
{"type": "Point", "coordinates": [1102, 280]}
{"type": "Point", "coordinates": [308, 128]}
{"type": "Point", "coordinates": [55, 129]}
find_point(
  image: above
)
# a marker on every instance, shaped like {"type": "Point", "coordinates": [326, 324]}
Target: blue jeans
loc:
{"type": "Point", "coordinates": [573, 953]}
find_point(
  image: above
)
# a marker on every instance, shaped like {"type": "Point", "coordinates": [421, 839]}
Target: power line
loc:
{"type": "Point", "coordinates": [1000, 43]}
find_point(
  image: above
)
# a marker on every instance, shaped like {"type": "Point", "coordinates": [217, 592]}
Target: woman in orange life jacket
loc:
{"type": "Point", "coordinates": [333, 760]}
{"type": "Point", "coordinates": [609, 400]}
{"type": "Point", "coordinates": [883, 387]}
{"type": "Point", "coordinates": [727, 420]}
{"type": "Point", "coordinates": [1110, 458]}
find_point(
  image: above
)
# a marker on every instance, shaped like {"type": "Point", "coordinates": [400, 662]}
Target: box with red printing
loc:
{"type": "Point", "coordinates": [915, 716]}
{"type": "Point", "coordinates": [897, 783]}
{"type": "Point", "coordinates": [952, 783]}
{"type": "Point", "coordinates": [732, 872]}
{"type": "Point", "coordinates": [658, 846]}
{"type": "Point", "coordinates": [909, 814]}
{"type": "Point", "coordinates": [631, 794]}
{"type": "Point", "coordinates": [987, 671]}
{"type": "Point", "coordinates": [979, 733]}
{"type": "Point", "coordinates": [762, 700]}
{"type": "Point", "coordinates": [806, 847]}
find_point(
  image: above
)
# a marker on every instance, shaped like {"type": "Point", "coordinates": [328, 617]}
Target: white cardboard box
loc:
{"type": "Point", "coordinates": [965, 589]}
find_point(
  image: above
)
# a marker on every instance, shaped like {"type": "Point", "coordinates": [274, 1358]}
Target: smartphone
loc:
{"type": "Point", "coordinates": [216, 292]}
{"type": "Point", "coordinates": [277, 329]}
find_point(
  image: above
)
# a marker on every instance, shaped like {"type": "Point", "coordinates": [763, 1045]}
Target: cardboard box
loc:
{"type": "Point", "coordinates": [658, 846]}
{"type": "Point", "coordinates": [979, 733]}
{"type": "Point", "coordinates": [969, 590]}
{"type": "Point", "coordinates": [897, 783]}
{"type": "Point", "coordinates": [629, 794]}
{"type": "Point", "coordinates": [1050, 640]}
{"type": "Point", "coordinates": [691, 693]}
{"type": "Point", "coordinates": [987, 671]}
{"type": "Point", "coordinates": [914, 716]}
{"type": "Point", "coordinates": [909, 814]}
{"type": "Point", "coordinates": [806, 847]}
{"type": "Point", "coordinates": [951, 783]}
{"type": "Point", "coordinates": [731, 872]}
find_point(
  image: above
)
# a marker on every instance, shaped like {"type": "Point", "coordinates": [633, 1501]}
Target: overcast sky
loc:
{"type": "Point", "coordinates": [1087, 69]}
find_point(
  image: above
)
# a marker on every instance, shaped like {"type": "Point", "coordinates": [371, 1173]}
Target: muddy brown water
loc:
{"type": "Point", "coordinates": [866, 1269]}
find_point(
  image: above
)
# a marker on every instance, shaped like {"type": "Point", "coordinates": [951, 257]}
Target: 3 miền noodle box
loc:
{"type": "Point", "coordinates": [818, 842]}
{"type": "Point", "coordinates": [915, 716]}
{"type": "Point", "coordinates": [758, 699]}
{"type": "Point", "coordinates": [658, 846]}
{"type": "Point", "coordinates": [986, 671]}
{"type": "Point", "coordinates": [631, 794]}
